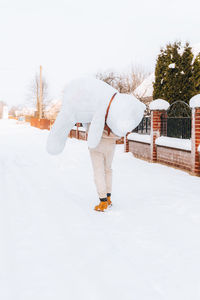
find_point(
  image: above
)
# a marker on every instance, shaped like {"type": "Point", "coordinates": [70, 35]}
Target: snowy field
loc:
{"type": "Point", "coordinates": [54, 246]}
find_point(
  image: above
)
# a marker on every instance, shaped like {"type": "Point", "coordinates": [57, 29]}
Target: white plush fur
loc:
{"type": "Point", "coordinates": [86, 101]}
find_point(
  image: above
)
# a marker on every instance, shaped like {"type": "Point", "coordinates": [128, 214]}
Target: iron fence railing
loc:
{"type": "Point", "coordinates": [144, 127]}
{"type": "Point", "coordinates": [176, 127]}
{"type": "Point", "coordinates": [170, 126]}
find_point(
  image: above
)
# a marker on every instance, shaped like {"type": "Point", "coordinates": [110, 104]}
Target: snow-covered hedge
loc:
{"type": "Point", "coordinates": [174, 143]}
{"type": "Point", "coordinates": [144, 138]}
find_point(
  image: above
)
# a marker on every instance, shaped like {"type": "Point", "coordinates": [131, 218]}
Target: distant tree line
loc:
{"type": "Point", "coordinates": [124, 82]}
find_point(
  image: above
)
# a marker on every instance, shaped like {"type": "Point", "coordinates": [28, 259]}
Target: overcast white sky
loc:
{"type": "Point", "coordinates": [70, 38]}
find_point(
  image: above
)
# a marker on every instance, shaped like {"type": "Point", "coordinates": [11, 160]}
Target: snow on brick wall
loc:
{"type": "Point", "coordinates": [159, 104]}
{"type": "Point", "coordinates": [144, 138]}
{"type": "Point", "coordinates": [195, 101]}
{"type": "Point", "coordinates": [183, 144]}
{"type": "Point", "coordinates": [79, 128]}
{"type": "Point", "coordinates": [180, 158]}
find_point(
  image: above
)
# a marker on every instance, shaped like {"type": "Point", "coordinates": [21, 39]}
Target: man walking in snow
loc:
{"type": "Point", "coordinates": [102, 157]}
{"type": "Point", "coordinates": [86, 101]}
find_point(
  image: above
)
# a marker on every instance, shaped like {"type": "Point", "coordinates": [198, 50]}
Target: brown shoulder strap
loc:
{"type": "Point", "coordinates": [109, 106]}
{"type": "Point", "coordinates": [106, 126]}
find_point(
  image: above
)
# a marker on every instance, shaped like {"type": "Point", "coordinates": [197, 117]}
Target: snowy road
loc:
{"type": "Point", "coordinates": [54, 246]}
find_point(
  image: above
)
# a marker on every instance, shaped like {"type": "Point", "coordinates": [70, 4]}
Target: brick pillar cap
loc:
{"type": "Point", "coordinates": [159, 104]}
{"type": "Point", "coordinates": [195, 101]}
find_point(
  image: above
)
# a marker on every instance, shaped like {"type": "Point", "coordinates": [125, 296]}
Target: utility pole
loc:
{"type": "Point", "coordinates": [37, 91]}
{"type": "Point", "coordinates": [40, 113]}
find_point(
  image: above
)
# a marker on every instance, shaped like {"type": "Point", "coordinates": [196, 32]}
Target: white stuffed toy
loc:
{"type": "Point", "coordinates": [86, 101]}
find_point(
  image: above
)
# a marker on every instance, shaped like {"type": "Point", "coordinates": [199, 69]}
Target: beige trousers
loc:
{"type": "Point", "coordinates": [102, 157]}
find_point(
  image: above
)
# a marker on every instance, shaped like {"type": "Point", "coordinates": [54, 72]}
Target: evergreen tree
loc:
{"type": "Point", "coordinates": [187, 88]}
{"type": "Point", "coordinates": [196, 74]}
{"type": "Point", "coordinates": [166, 73]}
{"type": "Point", "coordinates": [176, 77]}
{"type": "Point", "coordinates": [161, 66]}
{"type": "Point", "coordinates": [172, 73]}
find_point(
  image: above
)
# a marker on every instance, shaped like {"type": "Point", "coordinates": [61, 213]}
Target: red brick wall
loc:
{"type": "Point", "coordinates": [126, 144]}
{"type": "Point", "coordinates": [34, 122]}
{"type": "Point", "coordinates": [174, 157]}
{"type": "Point", "coordinates": [186, 160]}
{"type": "Point", "coordinates": [195, 141]}
{"type": "Point", "coordinates": [82, 135]}
{"type": "Point", "coordinates": [40, 123]}
{"type": "Point", "coordinates": [155, 131]}
{"type": "Point", "coordinates": [140, 150]}
{"type": "Point", "coordinates": [73, 133]}
{"type": "Point", "coordinates": [44, 124]}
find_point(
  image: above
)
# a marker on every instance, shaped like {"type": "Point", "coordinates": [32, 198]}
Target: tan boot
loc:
{"type": "Point", "coordinates": [103, 205]}
{"type": "Point", "coordinates": [109, 201]}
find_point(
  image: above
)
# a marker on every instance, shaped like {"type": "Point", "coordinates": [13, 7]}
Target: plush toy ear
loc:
{"type": "Point", "coordinates": [96, 129]}
{"type": "Point", "coordinates": [59, 133]}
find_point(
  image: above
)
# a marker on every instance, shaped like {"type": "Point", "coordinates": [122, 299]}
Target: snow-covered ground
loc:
{"type": "Point", "coordinates": [54, 246]}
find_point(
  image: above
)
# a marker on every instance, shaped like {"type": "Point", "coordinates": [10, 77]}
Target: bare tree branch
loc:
{"type": "Point", "coordinates": [124, 82]}
{"type": "Point", "coordinates": [33, 93]}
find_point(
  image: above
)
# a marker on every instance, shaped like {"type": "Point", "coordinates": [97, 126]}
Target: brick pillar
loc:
{"type": "Point", "coordinates": [126, 143]}
{"type": "Point", "coordinates": [157, 107]}
{"type": "Point", "coordinates": [195, 158]}
{"type": "Point", "coordinates": [155, 131]}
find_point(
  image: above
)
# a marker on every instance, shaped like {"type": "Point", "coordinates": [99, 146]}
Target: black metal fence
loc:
{"type": "Point", "coordinates": [176, 121]}
{"type": "Point", "coordinates": [176, 127]}
{"type": "Point", "coordinates": [144, 127]}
